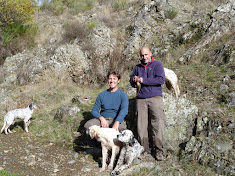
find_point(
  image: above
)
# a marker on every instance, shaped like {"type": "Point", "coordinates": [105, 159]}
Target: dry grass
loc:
{"type": "Point", "coordinates": [50, 95]}
{"type": "Point", "coordinates": [75, 30]}
{"type": "Point", "coordinates": [105, 16]}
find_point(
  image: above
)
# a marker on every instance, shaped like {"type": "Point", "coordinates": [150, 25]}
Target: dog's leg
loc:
{"type": "Point", "coordinates": [7, 126]}
{"type": "Point", "coordinates": [114, 152]}
{"type": "Point", "coordinates": [9, 130]}
{"type": "Point", "coordinates": [128, 163]}
{"type": "Point", "coordinates": [177, 90]}
{"type": "Point", "coordinates": [3, 126]}
{"type": "Point", "coordinates": [26, 123]}
{"type": "Point", "coordinates": [29, 121]}
{"type": "Point", "coordinates": [120, 162]}
{"type": "Point", "coordinates": [104, 157]}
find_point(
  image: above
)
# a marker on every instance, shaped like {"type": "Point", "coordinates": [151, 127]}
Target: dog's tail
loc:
{"type": "Point", "coordinates": [4, 126]}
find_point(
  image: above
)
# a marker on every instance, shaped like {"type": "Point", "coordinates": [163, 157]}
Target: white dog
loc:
{"type": "Point", "coordinates": [171, 80]}
{"type": "Point", "coordinates": [131, 149]}
{"type": "Point", "coordinates": [108, 139]}
{"type": "Point", "coordinates": [22, 114]}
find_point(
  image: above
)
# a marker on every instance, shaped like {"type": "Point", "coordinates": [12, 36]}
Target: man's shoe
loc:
{"type": "Point", "coordinates": [159, 155]}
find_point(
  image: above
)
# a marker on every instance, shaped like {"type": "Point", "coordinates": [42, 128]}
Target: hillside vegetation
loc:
{"type": "Point", "coordinates": [58, 55]}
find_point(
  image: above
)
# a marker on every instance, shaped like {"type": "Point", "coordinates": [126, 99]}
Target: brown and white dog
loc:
{"type": "Point", "coordinates": [109, 141]}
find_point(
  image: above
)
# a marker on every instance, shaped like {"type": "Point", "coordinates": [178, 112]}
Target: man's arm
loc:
{"type": "Point", "coordinates": [123, 107]}
{"type": "Point", "coordinates": [96, 112]}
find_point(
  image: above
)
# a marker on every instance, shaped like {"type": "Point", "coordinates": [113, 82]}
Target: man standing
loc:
{"type": "Point", "coordinates": [150, 74]}
{"type": "Point", "coordinates": [111, 106]}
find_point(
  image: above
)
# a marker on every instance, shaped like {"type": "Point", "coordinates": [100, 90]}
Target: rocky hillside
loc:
{"type": "Point", "coordinates": [66, 70]}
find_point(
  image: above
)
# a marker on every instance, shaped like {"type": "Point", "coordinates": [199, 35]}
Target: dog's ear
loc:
{"type": "Point", "coordinates": [92, 133]}
{"type": "Point", "coordinates": [31, 106]}
{"type": "Point", "coordinates": [132, 141]}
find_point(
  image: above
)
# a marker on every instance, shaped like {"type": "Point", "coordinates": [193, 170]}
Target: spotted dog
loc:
{"type": "Point", "coordinates": [22, 114]}
{"type": "Point", "coordinates": [131, 149]}
{"type": "Point", "coordinates": [108, 139]}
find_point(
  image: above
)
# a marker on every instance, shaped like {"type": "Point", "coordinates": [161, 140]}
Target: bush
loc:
{"type": "Point", "coordinates": [170, 13]}
{"type": "Point", "coordinates": [75, 30]}
{"type": "Point", "coordinates": [91, 25]}
{"type": "Point", "coordinates": [120, 4]}
{"type": "Point", "coordinates": [117, 60]}
{"type": "Point", "coordinates": [15, 38]}
{"type": "Point", "coordinates": [17, 11]}
{"type": "Point", "coordinates": [55, 6]}
{"type": "Point", "coordinates": [17, 28]}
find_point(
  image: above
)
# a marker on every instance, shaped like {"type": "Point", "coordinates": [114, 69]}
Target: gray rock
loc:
{"type": "Point", "coordinates": [180, 115]}
{"type": "Point", "coordinates": [64, 113]}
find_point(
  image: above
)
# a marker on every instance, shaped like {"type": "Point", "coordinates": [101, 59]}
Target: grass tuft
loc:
{"type": "Point", "coordinates": [170, 13]}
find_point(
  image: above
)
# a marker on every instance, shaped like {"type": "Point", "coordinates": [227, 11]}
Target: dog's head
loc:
{"type": "Point", "coordinates": [33, 106]}
{"type": "Point", "coordinates": [93, 131]}
{"type": "Point", "coordinates": [126, 136]}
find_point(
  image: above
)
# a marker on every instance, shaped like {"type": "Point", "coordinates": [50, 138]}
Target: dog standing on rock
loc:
{"type": "Point", "coordinates": [22, 114]}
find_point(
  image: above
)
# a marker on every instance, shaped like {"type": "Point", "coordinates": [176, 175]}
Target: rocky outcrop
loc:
{"type": "Point", "coordinates": [211, 146]}
{"type": "Point", "coordinates": [210, 28]}
{"type": "Point", "coordinates": [180, 115]}
{"type": "Point", "coordinates": [67, 63]}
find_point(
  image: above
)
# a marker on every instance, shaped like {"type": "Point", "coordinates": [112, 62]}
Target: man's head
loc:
{"type": "Point", "coordinates": [113, 80]}
{"type": "Point", "coordinates": [145, 55]}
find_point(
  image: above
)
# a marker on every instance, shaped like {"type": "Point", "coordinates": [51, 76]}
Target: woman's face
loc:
{"type": "Point", "coordinates": [113, 81]}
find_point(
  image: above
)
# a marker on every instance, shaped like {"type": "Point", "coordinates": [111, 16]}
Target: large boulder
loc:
{"type": "Point", "coordinates": [180, 115]}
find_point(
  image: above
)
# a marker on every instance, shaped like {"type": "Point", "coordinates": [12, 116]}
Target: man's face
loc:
{"type": "Point", "coordinates": [145, 55]}
{"type": "Point", "coordinates": [113, 81]}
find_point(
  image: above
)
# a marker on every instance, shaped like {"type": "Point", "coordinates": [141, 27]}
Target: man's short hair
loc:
{"type": "Point", "coordinates": [114, 73]}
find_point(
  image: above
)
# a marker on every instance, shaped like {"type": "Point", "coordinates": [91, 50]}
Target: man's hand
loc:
{"type": "Point", "coordinates": [103, 122]}
{"type": "Point", "coordinates": [116, 125]}
{"type": "Point", "coordinates": [138, 79]}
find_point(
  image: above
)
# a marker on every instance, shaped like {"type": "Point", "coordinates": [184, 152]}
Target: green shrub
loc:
{"type": "Point", "coordinates": [15, 38]}
{"type": "Point", "coordinates": [91, 25]}
{"type": "Point", "coordinates": [198, 31]}
{"type": "Point", "coordinates": [120, 4]}
{"type": "Point", "coordinates": [17, 11]}
{"type": "Point", "coordinates": [18, 30]}
{"type": "Point", "coordinates": [170, 13]}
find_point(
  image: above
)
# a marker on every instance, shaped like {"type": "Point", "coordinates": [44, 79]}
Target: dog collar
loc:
{"type": "Point", "coordinates": [96, 134]}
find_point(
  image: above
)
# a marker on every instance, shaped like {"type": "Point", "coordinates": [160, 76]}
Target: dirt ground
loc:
{"type": "Point", "coordinates": [23, 153]}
